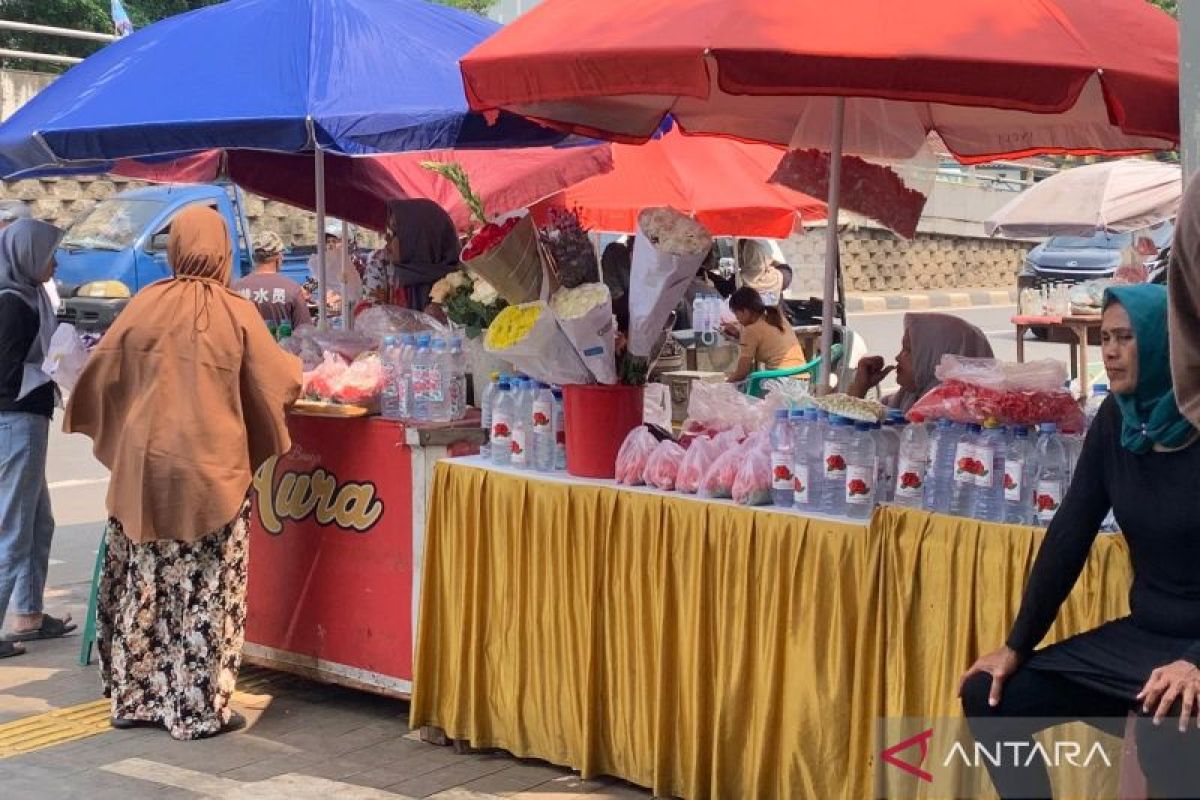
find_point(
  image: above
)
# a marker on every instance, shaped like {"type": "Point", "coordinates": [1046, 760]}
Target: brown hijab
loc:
{"type": "Point", "coordinates": [185, 396]}
{"type": "Point", "coordinates": [1184, 315]}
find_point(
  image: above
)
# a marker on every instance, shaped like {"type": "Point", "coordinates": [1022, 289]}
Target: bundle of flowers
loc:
{"type": "Point", "coordinates": [469, 301]}
{"type": "Point", "coordinates": [585, 316]}
{"type": "Point", "coordinates": [570, 249]}
{"type": "Point", "coordinates": [872, 190]}
{"type": "Point", "coordinates": [529, 337]}
{"type": "Point", "coordinates": [504, 253]}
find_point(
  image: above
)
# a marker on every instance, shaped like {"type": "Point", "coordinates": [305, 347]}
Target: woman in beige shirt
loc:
{"type": "Point", "coordinates": [765, 337]}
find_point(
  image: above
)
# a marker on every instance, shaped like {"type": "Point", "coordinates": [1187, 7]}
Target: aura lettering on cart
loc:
{"type": "Point", "coordinates": [300, 495]}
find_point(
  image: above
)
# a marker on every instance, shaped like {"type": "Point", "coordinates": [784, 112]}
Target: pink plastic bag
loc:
{"type": "Point", "coordinates": [632, 457]}
{"type": "Point", "coordinates": [696, 461]}
{"type": "Point", "coordinates": [322, 382]}
{"type": "Point", "coordinates": [662, 467]}
{"type": "Point", "coordinates": [722, 474]}
{"type": "Point", "coordinates": [752, 486]}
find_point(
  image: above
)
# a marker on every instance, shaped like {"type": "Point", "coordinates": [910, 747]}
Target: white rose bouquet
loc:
{"type": "Point", "coordinates": [670, 248]}
{"type": "Point", "coordinates": [469, 301]}
{"type": "Point", "coordinates": [585, 316]}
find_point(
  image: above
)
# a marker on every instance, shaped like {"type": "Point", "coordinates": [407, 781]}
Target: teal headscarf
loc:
{"type": "Point", "coordinates": [1150, 415]}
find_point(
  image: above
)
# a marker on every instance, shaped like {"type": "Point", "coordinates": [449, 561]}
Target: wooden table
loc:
{"type": "Point", "coordinates": [1079, 328]}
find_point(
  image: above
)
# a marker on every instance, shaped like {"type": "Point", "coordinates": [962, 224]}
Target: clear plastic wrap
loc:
{"type": "Point", "coordinates": [752, 486]}
{"type": "Point", "coordinates": [347, 344]}
{"type": "Point", "coordinates": [662, 468]}
{"type": "Point", "coordinates": [632, 457]}
{"type": "Point", "coordinates": [380, 321]}
{"type": "Point", "coordinates": [321, 383]}
{"type": "Point", "coordinates": [66, 357]}
{"type": "Point", "coordinates": [362, 383]}
{"type": "Point", "coordinates": [717, 407]}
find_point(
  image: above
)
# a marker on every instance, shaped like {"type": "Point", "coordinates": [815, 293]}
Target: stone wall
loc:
{"type": "Point", "coordinates": [878, 261]}
{"type": "Point", "coordinates": [62, 201]}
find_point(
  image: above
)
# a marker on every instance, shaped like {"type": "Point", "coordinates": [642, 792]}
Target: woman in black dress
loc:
{"type": "Point", "coordinates": [1141, 458]}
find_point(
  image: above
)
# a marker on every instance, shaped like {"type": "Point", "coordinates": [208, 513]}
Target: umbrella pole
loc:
{"type": "Point", "coordinates": [351, 299]}
{"type": "Point", "coordinates": [828, 298]}
{"type": "Point", "coordinates": [322, 274]}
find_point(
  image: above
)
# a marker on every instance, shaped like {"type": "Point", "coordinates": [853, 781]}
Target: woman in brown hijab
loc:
{"type": "Point", "coordinates": [183, 398]}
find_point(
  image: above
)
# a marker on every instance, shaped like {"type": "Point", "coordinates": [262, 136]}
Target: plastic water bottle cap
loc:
{"type": "Point", "coordinates": [389, 341]}
{"type": "Point", "coordinates": [944, 423]}
{"type": "Point", "coordinates": [1099, 389]}
{"type": "Point", "coordinates": [1048, 427]}
{"type": "Point", "coordinates": [781, 413]}
{"type": "Point", "coordinates": [796, 413]}
{"type": "Point", "coordinates": [863, 427]}
{"type": "Point", "coordinates": [975, 428]}
{"type": "Point", "coordinates": [423, 340]}
{"type": "Point", "coordinates": [503, 387]}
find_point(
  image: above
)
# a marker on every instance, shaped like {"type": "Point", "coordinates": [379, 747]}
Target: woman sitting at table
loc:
{"type": "Point", "coordinates": [927, 337]}
{"type": "Point", "coordinates": [764, 336]}
{"type": "Point", "coordinates": [1141, 459]}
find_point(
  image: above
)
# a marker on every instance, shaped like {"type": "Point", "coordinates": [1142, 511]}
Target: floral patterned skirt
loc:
{"type": "Point", "coordinates": [171, 620]}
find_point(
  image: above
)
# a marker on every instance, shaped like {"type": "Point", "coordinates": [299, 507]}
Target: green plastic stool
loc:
{"type": "Point", "coordinates": [755, 380]}
{"type": "Point", "coordinates": [89, 623]}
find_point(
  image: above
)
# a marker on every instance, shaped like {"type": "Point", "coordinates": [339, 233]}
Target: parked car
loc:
{"type": "Point", "coordinates": [120, 247]}
{"type": "Point", "coordinates": [1075, 259]}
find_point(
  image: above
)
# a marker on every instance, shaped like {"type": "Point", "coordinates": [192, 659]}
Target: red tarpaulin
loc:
{"type": "Point", "coordinates": [356, 189]}
{"type": "Point", "coordinates": [993, 77]}
{"type": "Point", "coordinates": [721, 182]}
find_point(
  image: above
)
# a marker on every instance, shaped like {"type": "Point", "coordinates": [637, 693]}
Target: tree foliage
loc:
{"type": "Point", "coordinates": [477, 6]}
{"type": "Point", "coordinates": [1168, 6]}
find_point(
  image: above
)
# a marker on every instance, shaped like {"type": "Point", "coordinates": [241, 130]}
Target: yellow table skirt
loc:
{"type": "Point", "coordinates": [706, 650]}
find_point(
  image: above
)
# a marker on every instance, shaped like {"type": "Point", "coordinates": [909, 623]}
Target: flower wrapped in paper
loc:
{"type": "Point", "coordinates": [669, 249]}
{"type": "Point", "coordinates": [529, 337]}
{"type": "Point", "coordinates": [585, 316]}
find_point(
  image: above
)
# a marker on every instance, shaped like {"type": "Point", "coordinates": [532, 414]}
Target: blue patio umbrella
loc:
{"type": "Point", "coordinates": [347, 76]}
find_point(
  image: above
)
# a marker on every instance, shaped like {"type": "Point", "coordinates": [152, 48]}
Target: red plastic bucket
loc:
{"type": "Point", "coordinates": [598, 418]}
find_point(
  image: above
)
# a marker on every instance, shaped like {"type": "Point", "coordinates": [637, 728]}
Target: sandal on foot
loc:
{"type": "Point", "coordinates": [10, 649]}
{"type": "Point", "coordinates": [51, 628]}
{"type": "Point", "coordinates": [122, 724]}
{"type": "Point", "coordinates": [236, 723]}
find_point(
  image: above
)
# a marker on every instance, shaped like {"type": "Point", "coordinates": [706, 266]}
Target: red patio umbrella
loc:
{"type": "Point", "coordinates": [721, 182]}
{"type": "Point", "coordinates": [869, 77]}
{"type": "Point", "coordinates": [357, 188]}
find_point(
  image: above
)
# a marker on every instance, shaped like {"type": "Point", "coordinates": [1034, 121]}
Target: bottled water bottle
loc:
{"type": "Point", "coordinates": [389, 358]}
{"type": "Point", "coordinates": [502, 424]}
{"type": "Point", "coordinates": [522, 425]}
{"type": "Point", "coordinates": [834, 454]}
{"type": "Point", "coordinates": [939, 483]}
{"type": "Point", "coordinates": [1099, 393]}
{"type": "Point", "coordinates": [560, 431]}
{"type": "Point", "coordinates": [408, 351]}
{"type": "Point", "coordinates": [781, 460]}
{"type": "Point", "coordinates": [458, 379]}
{"type": "Point", "coordinates": [1052, 478]}
{"type": "Point", "coordinates": [440, 378]}
{"type": "Point", "coordinates": [424, 379]}
{"type": "Point", "coordinates": [962, 491]}
{"type": "Point", "coordinates": [862, 472]}
{"type": "Point", "coordinates": [806, 461]}
{"type": "Point", "coordinates": [544, 443]}
{"type": "Point", "coordinates": [1019, 475]}
{"type": "Point", "coordinates": [912, 466]}
{"type": "Point", "coordinates": [990, 452]}
{"type": "Point", "coordinates": [485, 411]}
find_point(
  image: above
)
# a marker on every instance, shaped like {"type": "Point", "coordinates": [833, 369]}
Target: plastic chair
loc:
{"type": "Point", "coordinates": [755, 381]}
{"type": "Point", "coordinates": [88, 640]}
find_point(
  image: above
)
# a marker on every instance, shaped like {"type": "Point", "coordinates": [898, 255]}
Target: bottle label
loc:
{"type": "Point", "coordinates": [964, 463]}
{"type": "Point", "coordinates": [781, 471]}
{"type": "Point", "coordinates": [910, 483]}
{"type": "Point", "coordinates": [984, 467]}
{"type": "Point", "coordinates": [860, 480]}
{"type": "Point", "coordinates": [543, 415]}
{"type": "Point", "coordinates": [835, 460]}
{"type": "Point", "coordinates": [501, 430]}
{"type": "Point", "coordinates": [800, 493]}
{"type": "Point", "coordinates": [427, 384]}
{"type": "Point", "coordinates": [1048, 499]}
{"type": "Point", "coordinates": [1014, 473]}
{"type": "Point", "coordinates": [518, 446]}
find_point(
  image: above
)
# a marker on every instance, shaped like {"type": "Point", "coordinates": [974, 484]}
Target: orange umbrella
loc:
{"type": "Point", "coordinates": [719, 181]}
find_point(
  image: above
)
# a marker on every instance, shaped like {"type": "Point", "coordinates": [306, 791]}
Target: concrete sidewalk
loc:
{"type": "Point", "coordinates": [304, 740]}
{"type": "Point", "coordinates": [928, 301]}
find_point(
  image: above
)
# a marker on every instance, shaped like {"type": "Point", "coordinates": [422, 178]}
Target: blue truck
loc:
{"type": "Point", "coordinates": [120, 247]}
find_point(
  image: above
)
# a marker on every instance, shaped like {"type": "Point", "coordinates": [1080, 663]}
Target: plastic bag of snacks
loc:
{"type": "Point", "coordinates": [322, 382]}
{"type": "Point", "coordinates": [585, 316]}
{"type": "Point", "coordinates": [662, 468]}
{"type": "Point", "coordinates": [669, 248]}
{"type": "Point", "coordinates": [528, 336]}
{"type": "Point", "coordinates": [722, 474]}
{"type": "Point", "coordinates": [752, 486]}
{"type": "Point", "coordinates": [717, 407]}
{"type": "Point", "coordinates": [978, 389]}
{"type": "Point", "coordinates": [632, 457]}
{"type": "Point", "coordinates": [696, 461]}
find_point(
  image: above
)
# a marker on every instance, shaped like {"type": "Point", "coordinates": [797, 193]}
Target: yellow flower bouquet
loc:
{"type": "Point", "coordinates": [528, 335]}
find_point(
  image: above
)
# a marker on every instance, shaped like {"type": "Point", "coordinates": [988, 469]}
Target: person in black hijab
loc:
{"type": "Point", "coordinates": [422, 247]}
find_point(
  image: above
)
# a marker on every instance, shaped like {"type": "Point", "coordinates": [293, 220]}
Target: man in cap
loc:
{"type": "Point", "coordinates": [277, 298]}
